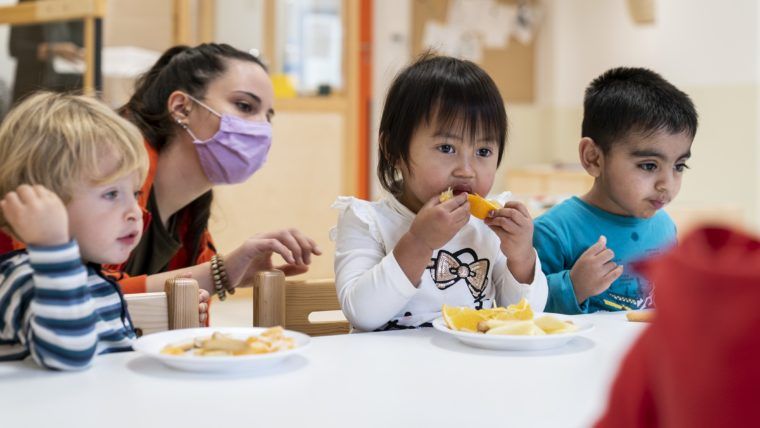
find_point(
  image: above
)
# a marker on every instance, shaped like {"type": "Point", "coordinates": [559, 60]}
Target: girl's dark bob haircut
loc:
{"type": "Point", "coordinates": [445, 90]}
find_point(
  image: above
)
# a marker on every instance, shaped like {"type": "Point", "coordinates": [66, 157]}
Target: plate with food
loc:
{"type": "Point", "coordinates": [213, 349]}
{"type": "Point", "coordinates": [515, 328]}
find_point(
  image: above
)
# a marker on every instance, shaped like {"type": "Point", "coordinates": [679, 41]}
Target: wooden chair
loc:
{"type": "Point", "coordinates": [176, 307]}
{"type": "Point", "coordinates": [289, 304]}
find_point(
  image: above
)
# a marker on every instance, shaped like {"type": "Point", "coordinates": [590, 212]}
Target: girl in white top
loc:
{"type": "Point", "coordinates": [398, 260]}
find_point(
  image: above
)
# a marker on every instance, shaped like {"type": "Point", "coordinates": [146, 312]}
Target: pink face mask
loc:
{"type": "Point", "coordinates": [237, 150]}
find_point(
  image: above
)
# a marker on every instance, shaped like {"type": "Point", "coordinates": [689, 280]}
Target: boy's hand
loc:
{"type": "Point", "coordinates": [437, 222]}
{"type": "Point", "coordinates": [36, 215]}
{"type": "Point", "coordinates": [514, 227]}
{"type": "Point", "coordinates": [594, 271]}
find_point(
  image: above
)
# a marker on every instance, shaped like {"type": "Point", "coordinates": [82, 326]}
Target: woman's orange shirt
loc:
{"type": "Point", "coordinates": [137, 284]}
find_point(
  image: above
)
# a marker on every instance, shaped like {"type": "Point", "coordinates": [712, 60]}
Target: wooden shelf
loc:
{"type": "Point", "coordinates": [49, 11]}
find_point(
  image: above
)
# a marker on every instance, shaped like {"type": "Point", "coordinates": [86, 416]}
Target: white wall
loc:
{"type": "Point", "coordinates": [692, 43]}
{"type": "Point", "coordinates": [240, 23]}
{"type": "Point", "coordinates": [391, 51]}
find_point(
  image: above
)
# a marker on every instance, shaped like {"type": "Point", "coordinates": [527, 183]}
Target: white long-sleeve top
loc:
{"type": "Point", "coordinates": [470, 270]}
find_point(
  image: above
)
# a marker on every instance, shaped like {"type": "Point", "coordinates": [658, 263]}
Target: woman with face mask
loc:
{"type": "Point", "coordinates": [205, 113]}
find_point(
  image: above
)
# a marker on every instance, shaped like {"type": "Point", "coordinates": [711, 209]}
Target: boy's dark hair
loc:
{"type": "Point", "coordinates": [443, 89]}
{"type": "Point", "coordinates": [625, 100]}
{"type": "Point", "coordinates": [188, 69]}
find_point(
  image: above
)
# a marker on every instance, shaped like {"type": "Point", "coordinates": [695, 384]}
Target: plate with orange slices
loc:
{"type": "Point", "coordinates": [515, 328]}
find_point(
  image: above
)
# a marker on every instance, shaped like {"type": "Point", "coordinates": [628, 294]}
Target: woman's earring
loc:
{"type": "Point", "coordinates": [182, 124]}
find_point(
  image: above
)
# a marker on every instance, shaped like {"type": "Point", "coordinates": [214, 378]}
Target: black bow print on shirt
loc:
{"type": "Point", "coordinates": [447, 269]}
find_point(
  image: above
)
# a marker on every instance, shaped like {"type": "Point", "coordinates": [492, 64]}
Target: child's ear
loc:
{"type": "Point", "coordinates": [591, 156]}
{"type": "Point", "coordinates": [179, 105]}
{"type": "Point", "coordinates": [402, 167]}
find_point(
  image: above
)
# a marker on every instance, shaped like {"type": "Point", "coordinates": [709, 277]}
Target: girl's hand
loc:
{"type": "Point", "coordinates": [514, 227]}
{"type": "Point", "coordinates": [255, 255]}
{"type": "Point", "coordinates": [437, 222]}
{"type": "Point", "coordinates": [594, 271]}
{"type": "Point", "coordinates": [36, 215]}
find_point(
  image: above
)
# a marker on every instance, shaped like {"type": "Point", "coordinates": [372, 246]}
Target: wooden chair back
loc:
{"type": "Point", "coordinates": [277, 301]}
{"type": "Point", "coordinates": [176, 307]}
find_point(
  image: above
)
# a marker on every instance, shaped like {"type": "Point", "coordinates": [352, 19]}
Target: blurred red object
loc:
{"type": "Point", "coordinates": [698, 364]}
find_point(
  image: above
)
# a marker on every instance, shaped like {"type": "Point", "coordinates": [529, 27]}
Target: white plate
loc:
{"type": "Point", "coordinates": [151, 345]}
{"type": "Point", "coordinates": [515, 342]}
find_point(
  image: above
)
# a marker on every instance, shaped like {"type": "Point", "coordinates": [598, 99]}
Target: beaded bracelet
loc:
{"type": "Point", "coordinates": [219, 276]}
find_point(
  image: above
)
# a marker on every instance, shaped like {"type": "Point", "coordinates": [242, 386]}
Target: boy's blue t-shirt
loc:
{"type": "Point", "coordinates": [564, 232]}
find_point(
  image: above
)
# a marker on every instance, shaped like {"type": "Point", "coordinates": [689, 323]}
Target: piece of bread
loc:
{"type": "Point", "coordinates": [646, 315]}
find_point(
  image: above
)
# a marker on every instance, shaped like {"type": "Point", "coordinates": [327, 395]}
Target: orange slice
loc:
{"type": "Point", "coordinates": [462, 318]}
{"type": "Point", "coordinates": [492, 312]}
{"type": "Point", "coordinates": [519, 311]}
{"type": "Point", "coordinates": [518, 328]}
{"type": "Point", "coordinates": [552, 325]}
{"type": "Point", "coordinates": [446, 195]}
{"type": "Point", "coordinates": [479, 206]}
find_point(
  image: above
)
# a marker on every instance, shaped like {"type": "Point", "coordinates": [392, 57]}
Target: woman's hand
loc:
{"type": "Point", "coordinates": [36, 215]}
{"type": "Point", "coordinates": [203, 297]}
{"type": "Point", "coordinates": [66, 50]}
{"type": "Point", "coordinates": [256, 253]}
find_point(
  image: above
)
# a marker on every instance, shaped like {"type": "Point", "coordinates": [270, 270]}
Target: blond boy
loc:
{"type": "Point", "coordinates": [71, 170]}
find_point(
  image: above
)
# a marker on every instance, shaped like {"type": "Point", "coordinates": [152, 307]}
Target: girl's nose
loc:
{"type": "Point", "coordinates": [464, 168]}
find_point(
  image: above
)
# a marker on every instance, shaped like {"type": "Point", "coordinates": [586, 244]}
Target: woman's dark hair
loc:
{"type": "Point", "coordinates": [187, 69]}
{"type": "Point", "coordinates": [625, 100]}
{"type": "Point", "coordinates": [448, 90]}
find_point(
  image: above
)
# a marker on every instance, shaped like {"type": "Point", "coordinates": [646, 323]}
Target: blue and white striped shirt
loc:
{"type": "Point", "coordinates": [58, 310]}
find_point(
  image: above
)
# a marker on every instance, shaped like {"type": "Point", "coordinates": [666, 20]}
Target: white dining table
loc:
{"type": "Point", "coordinates": [407, 378]}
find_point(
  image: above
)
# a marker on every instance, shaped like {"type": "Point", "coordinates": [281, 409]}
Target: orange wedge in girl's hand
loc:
{"type": "Point", "coordinates": [479, 206]}
{"type": "Point", "coordinates": [446, 195]}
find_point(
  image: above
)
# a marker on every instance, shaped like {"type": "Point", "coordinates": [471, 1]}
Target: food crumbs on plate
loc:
{"type": "Point", "coordinates": [223, 345]}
